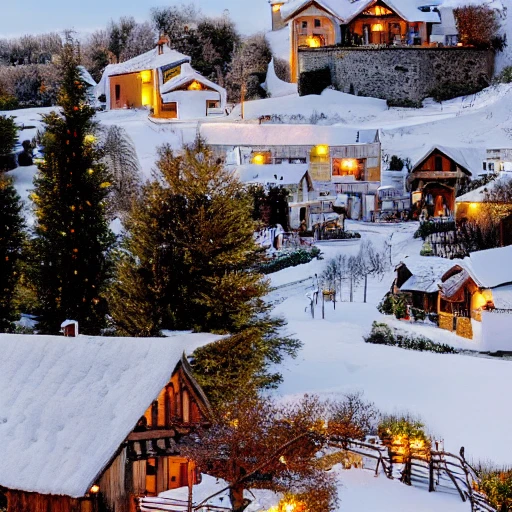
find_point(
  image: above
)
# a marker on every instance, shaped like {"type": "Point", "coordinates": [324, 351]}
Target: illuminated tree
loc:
{"type": "Point", "coordinates": [259, 444]}
{"type": "Point", "coordinates": [477, 25]}
{"type": "Point", "coordinates": [11, 240]}
{"type": "Point", "coordinates": [71, 235]}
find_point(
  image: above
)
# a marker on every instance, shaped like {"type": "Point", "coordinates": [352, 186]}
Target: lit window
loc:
{"type": "Point", "coordinates": [145, 77]}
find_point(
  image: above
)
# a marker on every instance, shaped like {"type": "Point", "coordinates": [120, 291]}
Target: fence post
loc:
{"type": "Point", "coordinates": [431, 484]}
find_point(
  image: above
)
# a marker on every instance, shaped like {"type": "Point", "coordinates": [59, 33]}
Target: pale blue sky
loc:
{"type": "Point", "coordinates": [20, 17]}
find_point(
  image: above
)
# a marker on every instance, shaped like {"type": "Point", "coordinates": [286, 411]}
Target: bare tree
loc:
{"type": "Point", "coordinates": [120, 158]}
{"type": "Point", "coordinates": [369, 262]}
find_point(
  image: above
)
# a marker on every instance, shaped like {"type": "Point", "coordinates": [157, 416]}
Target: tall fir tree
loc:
{"type": "Point", "coordinates": [72, 239]}
{"type": "Point", "coordinates": [186, 264]}
{"type": "Point", "coordinates": [12, 236]}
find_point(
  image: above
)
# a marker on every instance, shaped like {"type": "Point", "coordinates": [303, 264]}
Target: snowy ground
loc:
{"type": "Point", "coordinates": [454, 394]}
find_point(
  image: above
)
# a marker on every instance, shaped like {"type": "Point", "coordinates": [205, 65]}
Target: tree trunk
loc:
{"type": "Point", "coordinates": [236, 495]}
{"type": "Point", "coordinates": [365, 286]}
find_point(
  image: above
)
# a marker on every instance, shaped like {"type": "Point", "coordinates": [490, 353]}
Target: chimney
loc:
{"type": "Point", "coordinates": [69, 328]}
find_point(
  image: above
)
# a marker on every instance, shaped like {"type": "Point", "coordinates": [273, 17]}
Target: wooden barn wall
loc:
{"type": "Point", "coordinates": [33, 502]}
{"type": "Point", "coordinates": [113, 484]}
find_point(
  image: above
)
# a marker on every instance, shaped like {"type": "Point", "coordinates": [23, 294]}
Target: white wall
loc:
{"type": "Point", "coordinates": [496, 331]}
{"type": "Point", "coordinates": [191, 104]}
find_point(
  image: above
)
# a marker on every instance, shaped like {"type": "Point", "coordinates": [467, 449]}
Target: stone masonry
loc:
{"type": "Point", "coordinates": [403, 76]}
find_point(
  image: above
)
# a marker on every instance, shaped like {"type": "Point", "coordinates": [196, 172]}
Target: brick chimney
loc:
{"type": "Point", "coordinates": [69, 328]}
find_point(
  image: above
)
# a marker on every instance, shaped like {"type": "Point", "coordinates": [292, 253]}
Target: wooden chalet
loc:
{"type": "Point", "coordinates": [92, 424]}
{"type": "Point", "coordinates": [480, 283]}
{"type": "Point", "coordinates": [437, 177]}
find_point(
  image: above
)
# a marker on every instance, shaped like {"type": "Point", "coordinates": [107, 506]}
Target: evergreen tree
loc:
{"type": "Point", "coordinates": [72, 238]}
{"type": "Point", "coordinates": [186, 264]}
{"type": "Point", "coordinates": [11, 240]}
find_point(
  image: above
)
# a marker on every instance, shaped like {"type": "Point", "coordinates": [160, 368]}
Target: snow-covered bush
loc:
{"type": "Point", "coordinates": [383, 334]}
{"type": "Point", "coordinates": [497, 486]}
{"type": "Point", "coordinates": [290, 259]}
{"type": "Point", "coordinates": [506, 75]}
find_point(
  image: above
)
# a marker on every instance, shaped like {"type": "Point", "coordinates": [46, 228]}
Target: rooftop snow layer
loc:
{"type": "Point", "coordinates": [189, 74]}
{"type": "Point", "coordinates": [480, 194]}
{"type": "Point", "coordinates": [238, 134]}
{"type": "Point", "coordinates": [426, 273]}
{"type": "Point", "coordinates": [279, 174]}
{"type": "Point", "coordinates": [67, 404]}
{"type": "Point", "coordinates": [490, 268]}
{"type": "Point", "coordinates": [346, 10]}
{"type": "Point", "coordinates": [502, 297]}
{"type": "Point", "coordinates": [470, 158]}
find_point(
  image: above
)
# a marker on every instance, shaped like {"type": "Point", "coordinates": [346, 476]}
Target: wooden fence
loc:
{"type": "Point", "coordinates": [437, 471]}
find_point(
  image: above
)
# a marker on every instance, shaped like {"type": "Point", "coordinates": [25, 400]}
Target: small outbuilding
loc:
{"type": "Point", "coordinates": [163, 81]}
{"type": "Point", "coordinates": [92, 424]}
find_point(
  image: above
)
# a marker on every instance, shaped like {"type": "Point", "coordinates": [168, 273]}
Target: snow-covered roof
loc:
{"type": "Point", "coordinates": [149, 60]}
{"type": "Point", "coordinates": [426, 273]}
{"type": "Point", "coordinates": [239, 134]}
{"type": "Point", "coordinates": [189, 74]}
{"type": "Point", "coordinates": [469, 158]}
{"type": "Point", "coordinates": [278, 174]}
{"type": "Point", "coordinates": [490, 268]}
{"type": "Point", "coordinates": [480, 194]}
{"type": "Point", "coordinates": [67, 404]}
{"type": "Point", "coordinates": [346, 10]}
{"type": "Point", "coordinates": [502, 297]}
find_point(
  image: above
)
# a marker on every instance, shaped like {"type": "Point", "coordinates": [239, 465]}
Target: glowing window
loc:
{"type": "Point", "coordinates": [320, 154]}
{"type": "Point", "coordinates": [145, 77]}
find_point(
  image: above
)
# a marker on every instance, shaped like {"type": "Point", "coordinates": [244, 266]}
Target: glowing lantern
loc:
{"type": "Point", "coordinates": [89, 139]}
{"type": "Point", "coordinates": [314, 42]}
{"type": "Point", "coordinates": [377, 27]}
{"type": "Point", "coordinates": [322, 150]}
{"type": "Point", "coordinates": [195, 86]}
{"type": "Point", "coordinates": [95, 489]}
{"type": "Point", "coordinates": [145, 76]}
{"type": "Point", "coordinates": [258, 159]}
{"type": "Point", "coordinates": [276, 7]}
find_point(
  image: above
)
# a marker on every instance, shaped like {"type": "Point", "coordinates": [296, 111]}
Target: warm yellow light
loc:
{"type": "Point", "coordinates": [147, 95]}
{"type": "Point", "coordinates": [377, 27]}
{"type": "Point", "coordinates": [277, 7]}
{"type": "Point", "coordinates": [282, 459]}
{"type": "Point", "coordinates": [479, 300]}
{"type": "Point", "coordinates": [322, 150]}
{"type": "Point", "coordinates": [95, 489]}
{"type": "Point", "coordinates": [314, 42]}
{"type": "Point", "coordinates": [195, 86]}
{"type": "Point", "coordinates": [473, 206]}
{"type": "Point", "coordinates": [145, 76]}
{"type": "Point", "coordinates": [349, 164]}
{"type": "Point", "coordinates": [89, 139]}
{"type": "Point", "coordinates": [258, 159]}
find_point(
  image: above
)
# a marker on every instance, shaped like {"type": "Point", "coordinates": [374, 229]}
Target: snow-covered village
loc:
{"type": "Point", "coordinates": [256, 256]}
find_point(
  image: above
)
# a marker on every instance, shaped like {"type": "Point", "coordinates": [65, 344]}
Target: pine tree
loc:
{"type": "Point", "coordinates": [11, 240]}
{"type": "Point", "coordinates": [72, 238]}
{"type": "Point", "coordinates": [186, 264]}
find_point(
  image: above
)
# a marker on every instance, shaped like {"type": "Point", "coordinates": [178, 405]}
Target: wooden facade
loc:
{"type": "Point", "coordinates": [434, 183]}
{"type": "Point", "coordinates": [147, 463]}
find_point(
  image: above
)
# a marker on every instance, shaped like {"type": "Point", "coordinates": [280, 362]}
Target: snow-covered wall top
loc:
{"type": "Point", "coordinates": [236, 134]}
{"type": "Point", "coordinates": [490, 268]}
{"type": "Point", "coordinates": [279, 174]}
{"type": "Point", "coordinates": [67, 404]}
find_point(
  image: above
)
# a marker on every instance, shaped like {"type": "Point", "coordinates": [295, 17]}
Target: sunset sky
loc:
{"type": "Point", "coordinates": [34, 16]}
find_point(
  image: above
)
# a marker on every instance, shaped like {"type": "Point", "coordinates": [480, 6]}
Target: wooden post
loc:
{"type": "Point", "coordinates": [323, 305]}
{"type": "Point", "coordinates": [365, 286]}
{"type": "Point", "coordinates": [431, 485]}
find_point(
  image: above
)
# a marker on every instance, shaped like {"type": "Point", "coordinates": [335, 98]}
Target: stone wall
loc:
{"type": "Point", "coordinates": [403, 76]}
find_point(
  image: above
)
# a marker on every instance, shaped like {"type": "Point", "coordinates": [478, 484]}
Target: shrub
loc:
{"type": "Point", "coordinates": [429, 228]}
{"type": "Point", "coordinates": [291, 259]}
{"type": "Point", "coordinates": [418, 314]}
{"type": "Point", "coordinates": [382, 334]}
{"type": "Point", "coordinates": [497, 486]}
{"type": "Point", "coordinates": [393, 304]}
{"type": "Point", "coordinates": [102, 98]}
{"type": "Point", "coordinates": [8, 103]}
{"type": "Point", "coordinates": [386, 305]}
{"type": "Point", "coordinates": [314, 82]}
{"type": "Point", "coordinates": [404, 103]}
{"type": "Point", "coordinates": [506, 75]}
{"type": "Point", "coordinates": [447, 90]}
{"type": "Point", "coordinates": [477, 25]}
{"type": "Point", "coordinates": [396, 163]}
{"type": "Point", "coordinates": [8, 134]}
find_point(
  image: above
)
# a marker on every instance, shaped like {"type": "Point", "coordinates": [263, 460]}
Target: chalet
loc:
{"type": "Point", "coordinates": [478, 289]}
{"type": "Point", "coordinates": [437, 176]}
{"type": "Point", "coordinates": [319, 23]}
{"type": "Point", "coordinates": [419, 278]}
{"type": "Point", "coordinates": [90, 424]}
{"type": "Point", "coordinates": [163, 81]}
{"type": "Point", "coordinates": [339, 161]}
{"type": "Point", "coordinates": [497, 160]}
